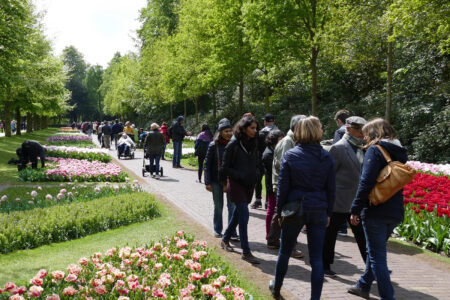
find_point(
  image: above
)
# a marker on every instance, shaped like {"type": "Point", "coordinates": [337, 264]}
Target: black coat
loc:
{"type": "Point", "coordinates": [30, 151]}
{"type": "Point", "coordinates": [211, 166]}
{"type": "Point", "coordinates": [241, 166]}
{"type": "Point", "coordinates": [178, 132]}
{"type": "Point", "coordinates": [154, 143]}
{"type": "Point", "coordinates": [267, 160]}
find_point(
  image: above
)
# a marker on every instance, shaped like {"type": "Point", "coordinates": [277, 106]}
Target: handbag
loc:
{"type": "Point", "coordinates": [390, 180]}
{"type": "Point", "coordinates": [291, 209]}
{"type": "Point", "coordinates": [224, 184]}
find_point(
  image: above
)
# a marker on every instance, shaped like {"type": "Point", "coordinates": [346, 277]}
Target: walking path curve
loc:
{"type": "Point", "coordinates": [413, 276]}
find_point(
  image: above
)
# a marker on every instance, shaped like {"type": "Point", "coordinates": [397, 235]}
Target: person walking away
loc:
{"type": "Point", "coordinates": [154, 144]}
{"type": "Point", "coordinates": [306, 177]}
{"type": "Point", "coordinates": [164, 129]}
{"type": "Point", "coordinates": [269, 124]}
{"type": "Point", "coordinates": [29, 151]}
{"type": "Point", "coordinates": [13, 126]}
{"type": "Point", "coordinates": [125, 142]}
{"type": "Point", "coordinates": [106, 130]}
{"type": "Point", "coordinates": [99, 134]}
{"type": "Point", "coordinates": [378, 221]}
{"type": "Point", "coordinates": [178, 133]}
{"type": "Point", "coordinates": [241, 166]}
{"type": "Point", "coordinates": [272, 140]}
{"type": "Point", "coordinates": [286, 143]}
{"type": "Point", "coordinates": [116, 129]}
{"type": "Point", "coordinates": [340, 118]}
{"type": "Point", "coordinates": [214, 182]}
{"type": "Point", "coordinates": [89, 129]}
{"type": "Point", "coordinates": [201, 147]}
{"type": "Point", "coordinates": [348, 157]}
{"type": "Point", "coordinates": [129, 130]}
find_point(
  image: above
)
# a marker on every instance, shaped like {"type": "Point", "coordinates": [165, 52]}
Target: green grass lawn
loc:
{"type": "Point", "coordinates": [8, 146]}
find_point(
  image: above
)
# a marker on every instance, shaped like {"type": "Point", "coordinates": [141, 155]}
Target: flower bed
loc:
{"type": "Point", "coordinates": [68, 129]}
{"type": "Point", "coordinates": [175, 268]}
{"type": "Point", "coordinates": [436, 169]}
{"type": "Point", "coordinates": [25, 198]}
{"type": "Point", "coordinates": [68, 169]}
{"type": "Point", "coordinates": [70, 140]}
{"type": "Point", "coordinates": [90, 154]}
{"type": "Point", "coordinates": [42, 226]}
{"type": "Point", "coordinates": [427, 212]}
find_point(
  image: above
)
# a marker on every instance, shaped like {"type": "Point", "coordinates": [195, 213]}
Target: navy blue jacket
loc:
{"type": "Point", "coordinates": [373, 163]}
{"type": "Point", "coordinates": [338, 134]}
{"type": "Point", "coordinates": [307, 170]}
{"type": "Point", "coordinates": [117, 128]}
{"type": "Point", "coordinates": [178, 132]}
{"type": "Point", "coordinates": [211, 170]}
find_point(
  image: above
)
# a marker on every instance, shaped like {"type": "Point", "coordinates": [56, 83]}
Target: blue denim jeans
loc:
{"type": "Point", "coordinates": [239, 217]}
{"type": "Point", "coordinates": [154, 160]}
{"type": "Point", "coordinates": [377, 232]}
{"type": "Point", "coordinates": [316, 222]}
{"type": "Point", "coordinates": [177, 152]}
{"type": "Point", "coordinates": [217, 191]}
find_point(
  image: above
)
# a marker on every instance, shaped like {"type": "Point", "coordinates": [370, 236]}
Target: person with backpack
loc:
{"type": "Point", "coordinates": [177, 133]}
{"type": "Point", "coordinates": [241, 165]}
{"type": "Point", "coordinates": [201, 147]}
{"type": "Point", "coordinates": [378, 221]}
{"type": "Point", "coordinates": [214, 181]}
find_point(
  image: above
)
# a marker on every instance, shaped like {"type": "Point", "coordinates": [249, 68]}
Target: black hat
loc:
{"type": "Point", "coordinates": [269, 118]}
{"type": "Point", "coordinates": [224, 124]}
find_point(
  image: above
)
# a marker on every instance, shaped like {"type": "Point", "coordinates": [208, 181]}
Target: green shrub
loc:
{"type": "Point", "coordinates": [42, 226]}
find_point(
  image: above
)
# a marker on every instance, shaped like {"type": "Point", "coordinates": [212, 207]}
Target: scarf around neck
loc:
{"type": "Point", "coordinates": [358, 143]}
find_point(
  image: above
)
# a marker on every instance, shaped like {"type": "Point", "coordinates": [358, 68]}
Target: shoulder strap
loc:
{"type": "Point", "coordinates": [386, 155]}
{"type": "Point", "coordinates": [217, 153]}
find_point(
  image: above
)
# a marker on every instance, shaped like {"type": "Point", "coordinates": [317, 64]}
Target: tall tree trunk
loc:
{"type": "Point", "coordinates": [42, 119]}
{"type": "Point", "coordinates": [313, 61]}
{"type": "Point", "coordinates": [36, 122]}
{"type": "Point", "coordinates": [185, 109]}
{"type": "Point", "coordinates": [389, 81]}
{"type": "Point", "coordinates": [45, 122]}
{"type": "Point", "coordinates": [196, 110]}
{"type": "Point", "coordinates": [19, 121]}
{"type": "Point", "coordinates": [7, 109]}
{"type": "Point", "coordinates": [214, 105]}
{"type": "Point", "coordinates": [266, 97]}
{"type": "Point", "coordinates": [241, 96]}
{"type": "Point", "coordinates": [29, 123]}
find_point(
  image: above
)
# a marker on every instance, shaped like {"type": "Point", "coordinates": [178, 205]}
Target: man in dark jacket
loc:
{"type": "Point", "coordinates": [29, 152]}
{"type": "Point", "coordinates": [115, 130]}
{"type": "Point", "coordinates": [348, 156]}
{"type": "Point", "coordinates": [177, 134]}
{"type": "Point", "coordinates": [269, 125]}
{"type": "Point", "coordinates": [106, 130]}
{"type": "Point", "coordinates": [340, 118]}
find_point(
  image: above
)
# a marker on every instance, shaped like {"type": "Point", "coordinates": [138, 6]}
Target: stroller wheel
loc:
{"type": "Point", "coordinates": [132, 156]}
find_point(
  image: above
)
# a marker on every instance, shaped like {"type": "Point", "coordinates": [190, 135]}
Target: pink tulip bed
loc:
{"type": "Point", "coordinates": [69, 169]}
{"type": "Point", "coordinates": [177, 267]}
{"type": "Point", "coordinates": [90, 154]}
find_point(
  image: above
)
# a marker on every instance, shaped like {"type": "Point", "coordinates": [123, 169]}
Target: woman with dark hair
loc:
{"type": "Point", "coordinates": [272, 140]}
{"type": "Point", "coordinates": [378, 221]}
{"type": "Point", "coordinates": [306, 187]}
{"type": "Point", "coordinates": [201, 147]}
{"type": "Point", "coordinates": [241, 166]}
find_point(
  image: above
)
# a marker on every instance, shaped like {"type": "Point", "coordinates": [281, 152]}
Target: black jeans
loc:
{"type": "Point", "coordinates": [201, 160]}
{"type": "Point", "coordinates": [336, 221]}
{"type": "Point", "coordinates": [258, 188]}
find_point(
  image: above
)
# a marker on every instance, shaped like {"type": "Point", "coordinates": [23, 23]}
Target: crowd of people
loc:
{"type": "Point", "coordinates": [309, 187]}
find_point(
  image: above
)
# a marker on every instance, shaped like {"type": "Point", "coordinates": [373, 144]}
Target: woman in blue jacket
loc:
{"type": "Point", "coordinates": [306, 176]}
{"type": "Point", "coordinates": [378, 221]}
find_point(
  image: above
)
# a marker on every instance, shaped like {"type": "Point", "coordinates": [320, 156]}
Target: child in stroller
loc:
{"type": "Point", "coordinates": [126, 146]}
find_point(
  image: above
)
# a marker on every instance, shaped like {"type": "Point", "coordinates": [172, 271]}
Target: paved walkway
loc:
{"type": "Point", "coordinates": [413, 278]}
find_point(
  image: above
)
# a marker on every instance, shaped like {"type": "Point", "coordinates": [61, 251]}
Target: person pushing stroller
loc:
{"type": "Point", "coordinates": [153, 149]}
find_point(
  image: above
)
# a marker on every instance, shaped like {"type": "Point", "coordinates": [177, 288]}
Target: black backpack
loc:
{"type": "Point", "coordinates": [170, 131]}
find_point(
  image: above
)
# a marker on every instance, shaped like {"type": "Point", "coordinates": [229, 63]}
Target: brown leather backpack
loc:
{"type": "Point", "coordinates": [391, 179]}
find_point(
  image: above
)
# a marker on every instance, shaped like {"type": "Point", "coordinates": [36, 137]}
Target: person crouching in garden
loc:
{"type": "Point", "coordinates": [348, 157]}
{"type": "Point", "coordinates": [378, 221]}
{"type": "Point", "coordinates": [29, 151]}
{"type": "Point", "coordinates": [201, 147]}
{"type": "Point", "coordinates": [214, 181]}
{"type": "Point", "coordinates": [272, 140]}
{"type": "Point", "coordinates": [241, 166]}
{"type": "Point", "coordinates": [154, 144]}
{"type": "Point", "coordinates": [306, 187]}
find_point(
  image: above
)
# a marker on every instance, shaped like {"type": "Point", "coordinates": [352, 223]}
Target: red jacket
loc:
{"type": "Point", "coordinates": [165, 132]}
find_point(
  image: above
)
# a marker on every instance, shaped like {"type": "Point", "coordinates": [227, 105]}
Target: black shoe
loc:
{"type": "Point", "coordinates": [273, 245]}
{"type": "Point", "coordinates": [354, 290]}
{"type": "Point", "coordinates": [250, 258]}
{"type": "Point", "coordinates": [275, 293]}
{"type": "Point", "coordinates": [329, 273]}
{"type": "Point", "coordinates": [226, 246]}
{"type": "Point", "coordinates": [256, 204]}
{"type": "Point", "coordinates": [217, 235]}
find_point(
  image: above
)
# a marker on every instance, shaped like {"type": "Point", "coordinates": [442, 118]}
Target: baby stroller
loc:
{"type": "Point", "coordinates": [127, 153]}
{"type": "Point", "coordinates": [146, 168]}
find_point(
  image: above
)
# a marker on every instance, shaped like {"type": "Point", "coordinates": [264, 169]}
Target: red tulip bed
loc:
{"type": "Point", "coordinates": [178, 267]}
{"type": "Point", "coordinates": [427, 212]}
